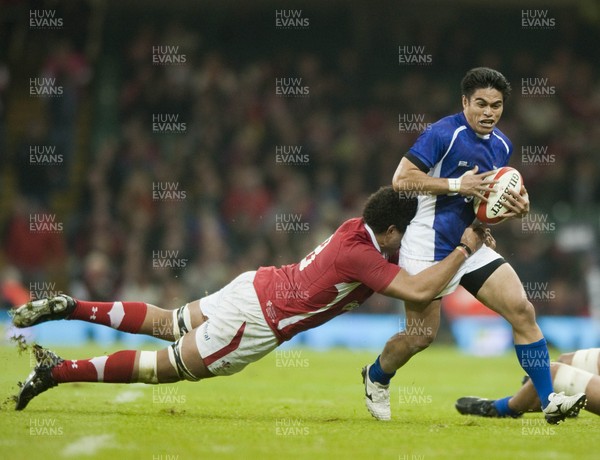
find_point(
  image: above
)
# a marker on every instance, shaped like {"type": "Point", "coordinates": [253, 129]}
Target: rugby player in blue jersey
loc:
{"type": "Point", "coordinates": [451, 163]}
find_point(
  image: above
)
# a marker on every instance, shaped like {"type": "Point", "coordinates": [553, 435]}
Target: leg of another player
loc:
{"type": "Point", "coordinates": [587, 359]}
{"type": "Point", "coordinates": [504, 293]}
{"type": "Point", "coordinates": [420, 330]}
{"type": "Point", "coordinates": [566, 378]}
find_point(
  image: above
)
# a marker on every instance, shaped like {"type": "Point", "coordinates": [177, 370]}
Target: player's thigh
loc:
{"type": "Point", "coordinates": [423, 318]}
{"type": "Point", "coordinates": [197, 317]}
{"type": "Point", "coordinates": [503, 292]}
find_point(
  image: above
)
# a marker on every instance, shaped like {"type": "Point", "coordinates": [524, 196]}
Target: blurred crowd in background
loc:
{"type": "Point", "coordinates": [122, 241]}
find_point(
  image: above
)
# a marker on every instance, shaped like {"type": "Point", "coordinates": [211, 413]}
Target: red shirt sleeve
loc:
{"type": "Point", "coordinates": [362, 262]}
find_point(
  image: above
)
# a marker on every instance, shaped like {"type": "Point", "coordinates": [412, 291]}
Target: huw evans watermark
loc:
{"type": "Point", "coordinates": [537, 87]}
{"type": "Point", "coordinates": [168, 123]}
{"type": "Point", "coordinates": [412, 123]}
{"type": "Point", "coordinates": [167, 395]}
{"type": "Point", "coordinates": [413, 55]}
{"type": "Point", "coordinates": [287, 290]}
{"type": "Point", "coordinates": [168, 55]}
{"type": "Point", "coordinates": [537, 19]}
{"type": "Point", "coordinates": [290, 358]}
{"type": "Point", "coordinates": [290, 223]}
{"type": "Point", "coordinates": [168, 259]}
{"type": "Point", "coordinates": [44, 87]}
{"type": "Point", "coordinates": [291, 155]}
{"type": "Point", "coordinates": [291, 19]}
{"type": "Point", "coordinates": [537, 223]}
{"type": "Point", "coordinates": [44, 223]}
{"type": "Point", "coordinates": [45, 427]}
{"type": "Point", "coordinates": [43, 289]}
{"type": "Point", "coordinates": [537, 155]}
{"type": "Point", "coordinates": [291, 87]}
{"type": "Point", "coordinates": [291, 427]}
{"type": "Point", "coordinates": [415, 327]}
{"type": "Point", "coordinates": [413, 395]}
{"type": "Point", "coordinates": [167, 191]}
{"type": "Point", "coordinates": [410, 189]}
{"type": "Point", "coordinates": [539, 291]}
{"type": "Point", "coordinates": [44, 155]}
{"type": "Point", "coordinates": [45, 19]}
{"type": "Point", "coordinates": [536, 427]}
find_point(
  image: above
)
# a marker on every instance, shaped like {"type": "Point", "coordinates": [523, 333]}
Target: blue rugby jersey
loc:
{"type": "Point", "coordinates": [449, 148]}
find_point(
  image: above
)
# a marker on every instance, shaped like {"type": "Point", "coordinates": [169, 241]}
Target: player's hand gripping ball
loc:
{"type": "Point", "coordinates": [493, 211]}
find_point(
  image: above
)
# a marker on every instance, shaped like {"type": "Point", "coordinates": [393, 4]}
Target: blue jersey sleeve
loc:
{"type": "Point", "coordinates": [429, 147]}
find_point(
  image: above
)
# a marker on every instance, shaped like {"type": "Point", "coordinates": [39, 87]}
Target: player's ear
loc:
{"type": "Point", "coordinates": [392, 229]}
{"type": "Point", "coordinates": [465, 101]}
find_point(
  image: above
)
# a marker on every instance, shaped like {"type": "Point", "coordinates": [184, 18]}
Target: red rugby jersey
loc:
{"type": "Point", "coordinates": [339, 275]}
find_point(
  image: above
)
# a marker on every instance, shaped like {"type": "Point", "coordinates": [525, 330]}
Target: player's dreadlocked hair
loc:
{"type": "Point", "coordinates": [484, 77]}
{"type": "Point", "coordinates": [386, 207]}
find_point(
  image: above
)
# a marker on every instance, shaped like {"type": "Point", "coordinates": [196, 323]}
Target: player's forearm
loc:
{"type": "Point", "coordinates": [422, 183]}
{"type": "Point", "coordinates": [408, 178]}
{"type": "Point", "coordinates": [424, 286]}
{"type": "Point", "coordinates": [431, 281]}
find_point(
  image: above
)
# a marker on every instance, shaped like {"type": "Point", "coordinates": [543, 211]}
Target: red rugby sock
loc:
{"type": "Point", "coordinates": [124, 316]}
{"type": "Point", "coordinates": [115, 368]}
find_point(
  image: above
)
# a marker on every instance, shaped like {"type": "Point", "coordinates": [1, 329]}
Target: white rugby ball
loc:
{"type": "Point", "coordinates": [493, 211]}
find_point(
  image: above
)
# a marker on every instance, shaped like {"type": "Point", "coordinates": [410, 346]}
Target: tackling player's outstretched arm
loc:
{"type": "Point", "coordinates": [424, 286]}
{"type": "Point", "coordinates": [408, 177]}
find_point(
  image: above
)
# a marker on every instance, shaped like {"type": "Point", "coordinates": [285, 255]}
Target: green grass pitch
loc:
{"type": "Point", "coordinates": [292, 404]}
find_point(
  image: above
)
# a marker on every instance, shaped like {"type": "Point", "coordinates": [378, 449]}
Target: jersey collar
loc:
{"type": "Point", "coordinates": [372, 235]}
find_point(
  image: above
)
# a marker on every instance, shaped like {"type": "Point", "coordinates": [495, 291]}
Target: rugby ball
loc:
{"type": "Point", "coordinates": [493, 211]}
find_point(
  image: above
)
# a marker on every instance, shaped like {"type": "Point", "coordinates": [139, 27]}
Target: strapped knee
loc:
{"type": "Point", "coordinates": [587, 360]}
{"type": "Point", "coordinates": [182, 322]}
{"type": "Point", "coordinates": [571, 380]}
{"type": "Point", "coordinates": [183, 371]}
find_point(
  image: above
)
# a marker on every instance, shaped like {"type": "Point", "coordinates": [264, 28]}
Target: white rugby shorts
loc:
{"type": "Point", "coordinates": [482, 257]}
{"type": "Point", "coordinates": [235, 333]}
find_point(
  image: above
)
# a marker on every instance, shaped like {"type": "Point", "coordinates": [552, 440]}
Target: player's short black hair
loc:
{"type": "Point", "coordinates": [387, 207]}
{"type": "Point", "coordinates": [484, 77]}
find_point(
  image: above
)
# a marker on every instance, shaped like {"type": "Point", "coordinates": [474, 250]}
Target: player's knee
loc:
{"type": "Point", "coordinates": [184, 371]}
{"type": "Point", "coordinates": [181, 321]}
{"type": "Point", "coordinates": [565, 358]}
{"type": "Point", "coordinates": [421, 342]}
{"type": "Point", "coordinates": [522, 313]}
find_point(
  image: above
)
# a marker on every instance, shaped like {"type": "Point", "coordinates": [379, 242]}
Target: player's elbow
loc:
{"type": "Point", "coordinates": [421, 296]}
{"type": "Point", "coordinates": [400, 182]}
{"type": "Point", "coordinates": [403, 178]}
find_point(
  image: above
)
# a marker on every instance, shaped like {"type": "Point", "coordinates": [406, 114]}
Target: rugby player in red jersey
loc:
{"type": "Point", "coordinates": [223, 332]}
